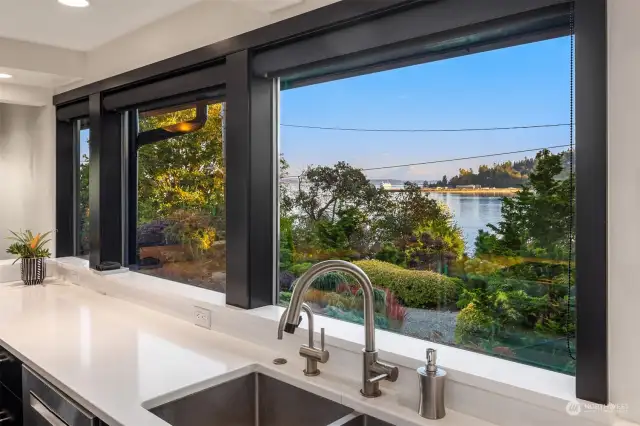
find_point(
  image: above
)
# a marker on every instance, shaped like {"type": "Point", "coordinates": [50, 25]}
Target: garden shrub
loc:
{"type": "Point", "coordinates": [393, 308]}
{"type": "Point", "coordinates": [472, 323]}
{"type": "Point", "coordinates": [152, 234]}
{"type": "Point", "coordinates": [194, 229]}
{"type": "Point", "coordinates": [300, 268]}
{"type": "Point", "coordinates": [379, 299]}
{"type": "Point", "coordinates": [329, 281]}
{"type": "Point", "coordinates": [391, 254]}
{"type": "Point", "coordinates": [415, 288]}
{"type": "Point", "coordinates": [286, 280]}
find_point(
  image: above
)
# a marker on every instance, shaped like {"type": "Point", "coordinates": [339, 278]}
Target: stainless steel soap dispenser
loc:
{"type": "Point", "coordinates": [432, 380]}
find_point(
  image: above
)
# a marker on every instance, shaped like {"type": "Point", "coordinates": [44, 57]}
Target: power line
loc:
{"type": "Point", "coordinates": [479, 129]}
{"type": "Point", "coordinates": [457, 159]}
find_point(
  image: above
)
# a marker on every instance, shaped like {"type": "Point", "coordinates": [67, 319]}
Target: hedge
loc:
{"type": "Point", "coordinates": [415, 288]}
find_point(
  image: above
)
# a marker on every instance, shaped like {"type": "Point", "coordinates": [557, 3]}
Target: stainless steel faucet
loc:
{"type": "Point", "coordinates": [373, 371]}
{"type": "Point", "coordinates": [309, 352]}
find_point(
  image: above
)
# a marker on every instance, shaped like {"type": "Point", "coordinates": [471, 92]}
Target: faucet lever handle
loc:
{"type": "Point", "coordinates": [379, 378]}
{"type": "Point", "coordinates": [322, 338]}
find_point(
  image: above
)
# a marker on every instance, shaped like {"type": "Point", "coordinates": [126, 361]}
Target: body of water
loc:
{"type": "Point", "coordinates": [472, 213]}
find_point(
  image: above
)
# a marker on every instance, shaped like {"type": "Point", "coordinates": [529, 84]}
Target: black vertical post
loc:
{"type": "Point", "coordinates": [65, 188]}
{"type": "Point", "coordinates": [591, 200]}
{"type": "Point", "coordinates": [249, 187]}
{"type": "Point", "coordinates": [132, 191]}
{"type": "Point", "coordinates": [105, 184]}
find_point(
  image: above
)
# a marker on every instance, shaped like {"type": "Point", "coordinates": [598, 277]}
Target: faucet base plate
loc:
{"type": "Point", "coordinates": [376, 394]}
{"type": "Point", "coordinates": [314, 373]}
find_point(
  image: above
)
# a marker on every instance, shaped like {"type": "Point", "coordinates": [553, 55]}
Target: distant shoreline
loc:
{"type": "Point", "coordinates": [466, 191]}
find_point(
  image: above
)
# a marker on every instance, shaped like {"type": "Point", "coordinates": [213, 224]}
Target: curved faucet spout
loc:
{"type": "Point", "coordinates": [304, 282]}
{"type": "Point", "coordinates": [307, 309]}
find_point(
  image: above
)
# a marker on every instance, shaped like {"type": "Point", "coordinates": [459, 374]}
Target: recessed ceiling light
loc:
{"type": "Point", "coordinates": [2, 75]}
{"type": "Point", "coordinates": [74, 3]}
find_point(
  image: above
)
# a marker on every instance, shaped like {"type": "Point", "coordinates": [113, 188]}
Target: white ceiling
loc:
{"type": "Point", "coordinates": [33, 78]}
{"type": "Point", "coordinates": [48, 22]}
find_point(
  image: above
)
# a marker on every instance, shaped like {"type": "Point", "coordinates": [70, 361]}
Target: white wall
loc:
{"type": "Point", "coordinates": [27, 170]}
{"type": "Point", "coordinates": [624, 203]}
{"type": "Point", "coordinates": [25, 95]}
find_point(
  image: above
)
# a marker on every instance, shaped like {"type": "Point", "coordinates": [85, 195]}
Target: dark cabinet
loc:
{"type": "Point", "coordinates": [10, 390]}
{"type": "Point", "coordinates": [10, 408]}
{"type": "Point", "coordinates": [10, 372]}
{"type": "Point", "coordinates": [26, 399]}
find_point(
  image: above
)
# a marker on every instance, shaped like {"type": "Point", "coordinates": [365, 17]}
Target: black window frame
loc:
{"type": "Point", "coordinates": [251, 99]}
{"type": "Point", "coordinates": [133, 141]}
{"type": "Point", "coordinates": [68, 120]}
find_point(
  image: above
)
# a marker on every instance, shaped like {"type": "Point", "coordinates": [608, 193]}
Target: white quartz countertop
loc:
{"type": "Point", "coordinates": [117, 358]}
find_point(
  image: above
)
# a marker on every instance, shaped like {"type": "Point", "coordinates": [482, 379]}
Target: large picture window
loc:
{"type": "Point", "coordinates": [451, 185]}
{"type": "Point", "coordinates": [181, 195]}
{"type": "Point", "coordinates": [434, 150]}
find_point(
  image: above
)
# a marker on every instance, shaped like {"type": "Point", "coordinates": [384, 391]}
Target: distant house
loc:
{"type": "Point", "coordinates": [468, 186]}
{"type": "Point", "coordinates": [386, 186]}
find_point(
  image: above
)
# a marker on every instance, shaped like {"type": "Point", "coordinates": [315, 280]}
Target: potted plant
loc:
{"type": "Point", "coordinates": [32, 253]}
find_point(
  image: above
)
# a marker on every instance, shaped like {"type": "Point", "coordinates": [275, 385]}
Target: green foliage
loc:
{"type": "Point", "coordinates": [379, 299]}
{"type": "Point", "coordinates": [477, 266]}
{"type": "Point", "coordinates": [26, 245]}
{"type": "Point", "coordinates": [514, 303]}
{"type": "Point", "coordinates": [329, 190]}
{"type": "Point", "coordinates": [435, 244]}
{"type": "Point", "coordinates": [409, 211]}
{"type": "Point", "coordinates": [285, 199]}
{"type": "Point", "coordinates": [390, 253]}
{"type": "Point", "coordinates": [472, 323]}
{"type": "Point", "coordinates": [300, 268]}
{"type": "Point", "coordinates": [535, 222]}
{"type": "Point", "coordinates": [182, 173]}
{"type": "Point", "coordinates": [416, 289]}
{"type": "Point", "coordinates": [517, 293]}
{"type": "Point", "coordinates": [196, 230]}
{"type": "Point", "coordinates": [83, 204]}
{"type": "Point", "coordinates": [339, 234]}
{"type": "Point", "coordinates": [286, 243]}
{"type": "Point", "coordinates": [285, 296]}
{"type": "Point", "coordinates": [340, 212]}
{"type": "Point", "coordinates": [329, 281]}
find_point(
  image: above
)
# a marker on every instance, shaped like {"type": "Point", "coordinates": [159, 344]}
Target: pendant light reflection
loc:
{"type": "Point", "coordinates": [74, 3]}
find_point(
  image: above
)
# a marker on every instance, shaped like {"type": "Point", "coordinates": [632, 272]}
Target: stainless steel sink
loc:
{"type": "Point", "coordinates": [356, 419]}
{"type": "Point", "coordinates": [253, 400]}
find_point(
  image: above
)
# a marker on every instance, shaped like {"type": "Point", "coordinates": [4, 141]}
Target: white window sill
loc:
{"type": "Point", "coordinates": [524, 385]}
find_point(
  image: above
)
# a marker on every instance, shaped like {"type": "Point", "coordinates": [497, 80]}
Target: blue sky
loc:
{"type": "Point", "coordinates": [84, 146]}
{"type": "Point", "coordinates": [517, 86]}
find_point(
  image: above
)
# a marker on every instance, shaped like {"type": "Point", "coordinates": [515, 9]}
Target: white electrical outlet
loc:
{"type": "Point", "coordinates": [202, 317]}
